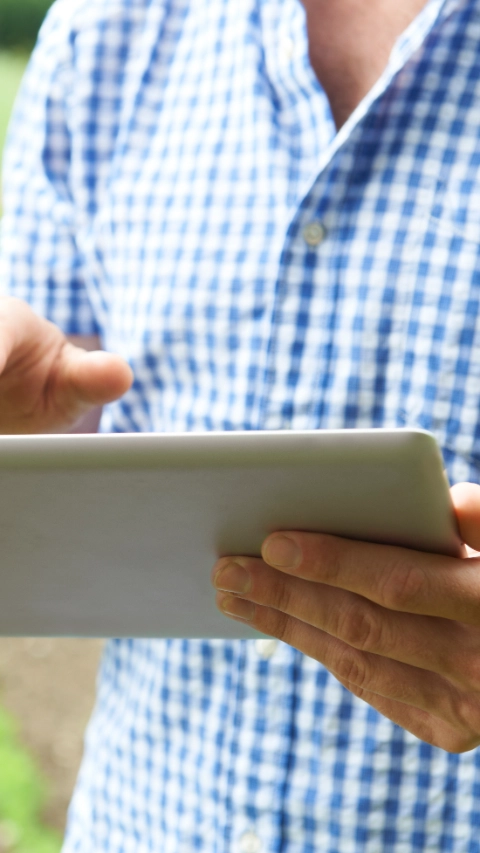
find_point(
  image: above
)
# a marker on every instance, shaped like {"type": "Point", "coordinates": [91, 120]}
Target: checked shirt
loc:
{"type": "Point", "coordinates": [174, 183]}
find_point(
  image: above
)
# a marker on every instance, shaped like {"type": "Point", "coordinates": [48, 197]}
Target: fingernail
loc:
{"type": "Point", "coordinates": [238, 607]}
{"type": "Point", "coordinates": [233, 578]}
{"type": "Point", "coordinates": [282, 552]}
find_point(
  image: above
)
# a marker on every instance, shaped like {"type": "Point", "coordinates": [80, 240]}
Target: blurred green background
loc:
{"type": "Point", "coordinates": [12, 66]}
{"type": "Point", "coordinates": [23, 785]}
{"type": "Point", "coordinates": [20, 21]}
{"type": "Point", "coordinates": [22, 796]}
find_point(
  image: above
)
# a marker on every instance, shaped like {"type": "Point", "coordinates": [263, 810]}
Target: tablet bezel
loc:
{"type": "Point", "coordinates": [64, 492]}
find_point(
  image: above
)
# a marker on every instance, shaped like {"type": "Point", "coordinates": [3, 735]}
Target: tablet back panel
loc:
{"type": "Point", "coordinates": [116, 535]}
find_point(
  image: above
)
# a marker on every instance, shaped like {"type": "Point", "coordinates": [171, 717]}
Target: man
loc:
{"type": "Point", "coordinates": [271, 214]}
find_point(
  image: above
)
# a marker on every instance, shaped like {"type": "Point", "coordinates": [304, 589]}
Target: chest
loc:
{"type": "Point", "coordinates": [199, 260]}
{"type": "Point", "coordinates": [218, 163]}
{"type": "Point", "coordinates": [350, 43]}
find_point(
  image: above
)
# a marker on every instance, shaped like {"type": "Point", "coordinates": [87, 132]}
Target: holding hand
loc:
{"type": "Point", "coordinates": [398, 628]}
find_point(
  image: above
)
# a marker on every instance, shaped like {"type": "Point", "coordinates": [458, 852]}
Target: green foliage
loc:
{"type": "Point", "coordinates": [20, 21]}
{"type": "Point", "coordinates": [12, 66]}
{"type": "Point", "coordinates": [21, 798]}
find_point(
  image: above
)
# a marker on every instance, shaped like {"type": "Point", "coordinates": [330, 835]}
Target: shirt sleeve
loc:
{"type": "Point", "coordinates": [39, 258]}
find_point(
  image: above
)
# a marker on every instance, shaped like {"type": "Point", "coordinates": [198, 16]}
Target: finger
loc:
{"type": "Point", "coordinates": [398, 579]}
{"type": "Point", "coordinates": [425, 724]}
{"type": "Point", "coordinates": [466, 500]}
{"type": "Point", "coordinates": [359, 671]}
{"type": "Point", "coordinates": [435, 645]}
{"type": "Point", "coordinates": [91, 378]}
{"type": "Point", "coordinates": [46, 381]}
{"type": "Point", "coordinates": [85, 379]}
{"type": "Point", "coordinates": [422, 724]}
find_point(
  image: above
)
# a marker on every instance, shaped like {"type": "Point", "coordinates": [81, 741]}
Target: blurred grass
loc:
{"type": "Point", "coordinates": [12, 66]}
{"type": "Point", "coordinates": [21, 797]}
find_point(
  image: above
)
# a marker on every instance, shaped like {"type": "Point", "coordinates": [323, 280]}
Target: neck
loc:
{"type": "Point", "coordinates": [350, 42]}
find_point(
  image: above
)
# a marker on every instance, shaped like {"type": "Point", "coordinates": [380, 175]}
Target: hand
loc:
{"type": "Point", "coordinates": [398, 628]}
{"type": "Point", "coordinates": [47, 383]}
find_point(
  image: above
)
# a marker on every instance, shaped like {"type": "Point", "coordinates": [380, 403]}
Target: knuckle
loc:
{"type": "Point", "coordinates": [401, 586]}
{"type": "Point", "coordinates": [359, 627]}
{"type": "Point", "coordinates": [460, 728]}
{"type": "Point", "coordinates": [277, 625]}
{"type": "Point", "coordinates": [457, 742]}
{"type": "Point", "coordinates": [353, 670]}
{"type": "Point", "coordinates": [441, 737]}
{"type": "Point", "coordinates": [465, 711]}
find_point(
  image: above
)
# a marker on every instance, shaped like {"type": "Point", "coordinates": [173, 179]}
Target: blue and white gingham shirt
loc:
{"type": "Point", "coordinates": [174, 183]}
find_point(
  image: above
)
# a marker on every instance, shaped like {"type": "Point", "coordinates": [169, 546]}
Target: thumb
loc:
{"type": "Point", "coordinates": [85, 379]}
{"type": "Point", "coordinates": [466, 501]}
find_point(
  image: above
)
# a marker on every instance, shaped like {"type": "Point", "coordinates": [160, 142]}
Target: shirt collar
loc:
{"type": "Point", "coordinates": [415, 34]}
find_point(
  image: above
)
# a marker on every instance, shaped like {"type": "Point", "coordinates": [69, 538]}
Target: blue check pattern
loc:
{"type": "Point", "coordinates": [166, 162]}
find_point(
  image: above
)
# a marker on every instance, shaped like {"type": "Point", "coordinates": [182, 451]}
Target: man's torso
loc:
{"type": "Point", "coordinates": [259, 271]}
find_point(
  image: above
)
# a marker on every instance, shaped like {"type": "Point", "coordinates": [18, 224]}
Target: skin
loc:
{"type": "Point", "coordinates": [49, 383]}
{"type": "Point", "coordinates": [399, 629]}
{"type": "Point", "coordinates": [350, 42]}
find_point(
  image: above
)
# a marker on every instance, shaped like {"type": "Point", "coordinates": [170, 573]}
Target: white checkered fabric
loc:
{"type": "Point", "coordinates": [174, 182]}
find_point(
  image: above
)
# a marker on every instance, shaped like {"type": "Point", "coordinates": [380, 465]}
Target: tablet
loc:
{"type": "Point", "coordinates": [116, 535]}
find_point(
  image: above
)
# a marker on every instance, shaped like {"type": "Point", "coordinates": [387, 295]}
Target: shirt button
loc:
{"type": "Point", "coordinates": [250, 843]}
{"type": "Point", "coordinates": [288, 48]}
{"type": "Point", "coordinates": [265, 648]}
{"type": "Point", "coordinates": [314, 233]}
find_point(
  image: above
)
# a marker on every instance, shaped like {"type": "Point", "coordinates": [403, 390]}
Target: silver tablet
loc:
{"type": "Point", "coordinates": [116, 535]}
